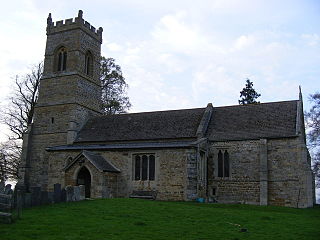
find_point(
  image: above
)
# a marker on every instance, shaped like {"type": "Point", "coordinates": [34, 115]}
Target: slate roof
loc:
{"type": "Point", "coordinates": [97, 160]}
{"type": "Point", "coordinates": [239, 122]}
{"type": "Point", "coordinates": [253, 121]}
{"type": "Point", "coordinates": [142, 126]}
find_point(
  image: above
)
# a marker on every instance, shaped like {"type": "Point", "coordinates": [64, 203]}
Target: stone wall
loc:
{"type": "Point", "coordinates": [170, 173]}
{"type": "Point", "coordinates": [38, 157]}
{"type": "Point", "coordinates": [36, 196]}
{"type": "Point", "coordinates": [284, 180]}
{"type": "Point", "coordinates": [243, 184]}
{"type": "Point", "coordinates": [192, 176]}
{"type": "Point", "coordinates": [103, 184]}
{"type": "Point", "coordinates": [50, 129]}
{"type": "Point", "coordinates": [77, 42]}
{"type": "Point", "coordinates": [290, 174]}
{"type": "Point", "coordinates": [69, 89]}
{"type": "Point", "coordinates": [66, 98]}
{"type": "Point", "coordinates": [273, 172]}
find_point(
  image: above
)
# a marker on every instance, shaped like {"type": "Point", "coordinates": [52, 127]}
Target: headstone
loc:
{"type": "Point", "coordinates": [44, 197]}
{"type": "Point", "coordinates": [82, 189]}
{"type": "Point", "coordinates": [8, 190]}
{"type": "Point", "coordinates": [63, 195]}
{"type": "Point", "coordinates": [57, 192]}
{"type": "Point", "coordinates": [76, 193]}
{"type": "Point", "coordinates": [36, 196]}
{"type": "Point", "coordinates": [105, 192]}
{"type": "Point", "coordinates": [18, 205]}
{"type": "Point", "coordinates": [27, 200]}
{"type": "Point", "coordinates": [69, 193]}
{"type": "Point", "coordinates": [2, 186]}
{"type": "Point", "coordinates": [50, 197]}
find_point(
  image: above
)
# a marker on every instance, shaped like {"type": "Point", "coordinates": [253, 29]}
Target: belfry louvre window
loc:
{"type": "Point", "coordinates": [144, 167]}
{"type": "Point", "coordinates": [62, 59]}
{"type": "Point", "coordinates": [223, 164]}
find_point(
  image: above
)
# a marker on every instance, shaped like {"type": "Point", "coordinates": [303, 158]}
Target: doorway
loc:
{"type": "Point", "coordinates": [84, 178]}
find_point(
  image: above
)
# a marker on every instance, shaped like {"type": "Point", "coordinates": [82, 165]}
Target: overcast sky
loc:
{"type": "Point", "coordinates": [181, 54]}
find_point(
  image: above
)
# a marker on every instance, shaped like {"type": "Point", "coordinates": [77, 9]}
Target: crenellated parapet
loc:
{"type": "Point", "coordinates": [70, 23]}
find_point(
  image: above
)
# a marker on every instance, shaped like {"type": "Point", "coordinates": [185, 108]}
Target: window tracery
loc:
{"type": "Point", "coordinates": [61, 59]}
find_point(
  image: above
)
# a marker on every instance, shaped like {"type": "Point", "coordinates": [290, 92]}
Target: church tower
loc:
{"type": "Point", "coordinates": [69, 93]}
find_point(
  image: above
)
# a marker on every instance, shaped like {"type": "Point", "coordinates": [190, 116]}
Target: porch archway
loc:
{"type": "Point", "coordinates": [84, 178]}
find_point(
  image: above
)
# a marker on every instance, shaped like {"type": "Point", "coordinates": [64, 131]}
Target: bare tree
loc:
{"type": "Point", "coordinates": [10, 153]}
{"type": "Point", "coordinates": [17, 115]}
{"type": "Point", "coordinates": [19, 112]}
{"type": "Point", "coordinates": [313, 124]}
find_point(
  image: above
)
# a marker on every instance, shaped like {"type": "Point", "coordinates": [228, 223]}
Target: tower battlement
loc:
{"type": "Point", "coordinates": [70, 23]}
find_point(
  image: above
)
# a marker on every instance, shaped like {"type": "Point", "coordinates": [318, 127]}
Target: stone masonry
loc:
{"type": "Point", "coordinates": [66, 98]}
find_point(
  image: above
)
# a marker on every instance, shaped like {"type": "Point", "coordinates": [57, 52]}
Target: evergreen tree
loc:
{"type": "Point", "coordinates": [248, 94]}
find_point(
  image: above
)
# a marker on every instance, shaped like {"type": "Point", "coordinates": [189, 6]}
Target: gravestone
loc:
{"type": "Point", "coordinates": [36, 196]}
{"type": "Point", "coordinates": [76, 193]}
{"type": "Point", "coordinates": [27, 201]}
{"type": "Point", "coordinates": [82, 192]}
{"type": "Point", "coordinates": [57, 192]}
{"type": "Point", "coordinates": [69, 193]}
{"type": "Point", "coordinates": [50, 197]}
{"type": "Point", "coordinates": [44, 197]}
{"type": "Point", "coordinates": [8, 190]}
{"type": "Point", "coordinates": [105, 192]}
{"type": "Point", "coordinates": [2, 187]}
{"type": "Point", "coordinates": [5, 190]}
{"type": "Point", "coordinates": [63, 195]}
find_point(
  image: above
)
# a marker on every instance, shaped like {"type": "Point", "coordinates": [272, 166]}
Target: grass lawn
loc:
{"type": "Point", "coordinates": [143, 219]}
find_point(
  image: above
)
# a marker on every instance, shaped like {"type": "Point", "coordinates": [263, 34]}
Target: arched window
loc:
{"type": "Point", "coordinates": [226, 163]}
{"type": "Point", "coordinates": [220, 164]}
{"type": "Point", "coordinates": [88, 64]}
{"type": "Point", "coordinates": [61, 59]}
{"type": "Point", "coordinates": [223, 164]}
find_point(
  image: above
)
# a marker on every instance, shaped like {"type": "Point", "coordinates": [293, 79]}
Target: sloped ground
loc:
{"type": "Point", "coordinates": [143, 219]}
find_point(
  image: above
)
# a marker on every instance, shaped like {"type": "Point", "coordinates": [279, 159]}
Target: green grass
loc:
{"type": "Point", "coordinates": [142, 219]}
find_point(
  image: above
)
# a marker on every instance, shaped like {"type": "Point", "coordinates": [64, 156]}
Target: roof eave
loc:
{"type": "Point", "coordinates": [254, 138]}
{"type": "Point", "coordinates": [122, 146]}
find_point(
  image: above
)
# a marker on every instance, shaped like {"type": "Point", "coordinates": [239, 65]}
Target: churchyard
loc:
{"type": "Point", "coordinates": [144, 219]}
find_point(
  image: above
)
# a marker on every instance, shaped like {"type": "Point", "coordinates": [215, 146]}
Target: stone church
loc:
{"type": "Point", "coordinates": [253, 154]}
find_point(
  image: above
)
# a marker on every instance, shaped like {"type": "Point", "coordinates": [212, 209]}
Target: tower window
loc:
{"type": "Point", "coordinates": [88, 64]}
{"type": "Point", "coordinates": [62, 59]}
{"type": "Point", "coordinates": [223, 164]}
